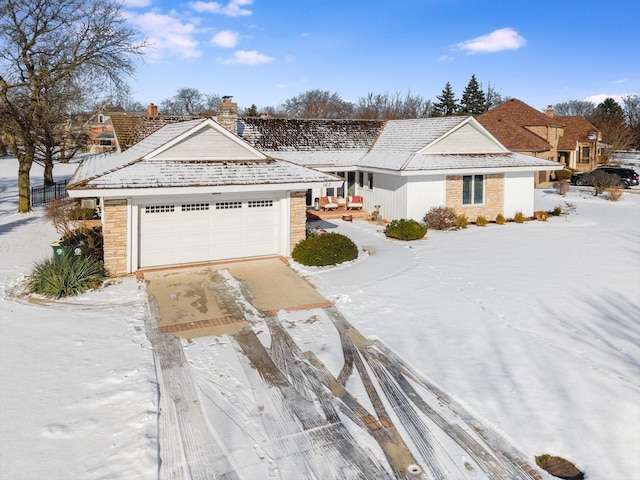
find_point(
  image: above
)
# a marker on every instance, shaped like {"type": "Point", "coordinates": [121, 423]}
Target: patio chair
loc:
{"type": "Point", "coordinates": [328, 203]}
{"type": "Point", "coordinates": [354, 202]}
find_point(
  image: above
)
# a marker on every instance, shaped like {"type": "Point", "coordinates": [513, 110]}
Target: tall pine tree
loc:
{"type": "Point", "coordinates": [473, 101]}
{"type": "Point", "coordinates": [446, 105]}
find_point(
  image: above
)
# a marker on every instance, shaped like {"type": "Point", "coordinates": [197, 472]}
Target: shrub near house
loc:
{"type": "Point", "coordinates": [325, 249]}
{"type": "Point", "coordinates": [404, 229]}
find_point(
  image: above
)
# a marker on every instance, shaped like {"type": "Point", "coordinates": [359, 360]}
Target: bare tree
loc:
{"type": "Point", "coordinates": [572, 108]}
{"type": "Point", "coordinates": [317, 104]}
{"type": "Point", "coordinates": [390, 107]}
{"type": "Point", "coordinates": [631, 107]}
{"type": "Point", "coordinates": [186, 101]}
{"type": "Point", "coordinates": [48, 42]}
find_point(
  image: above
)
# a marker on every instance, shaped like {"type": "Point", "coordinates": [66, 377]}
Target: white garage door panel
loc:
{"type": "Point", "coordinates": [196, 232]}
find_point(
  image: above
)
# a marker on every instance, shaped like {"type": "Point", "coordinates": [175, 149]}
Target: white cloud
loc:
{"type": "Point", "coordinates": [445, 58]}
{"type": "Point", "coordinates": [167, 35]}
{"type": "Point", "coordinates": [601, 97]}
{"type": "Point", "coordinates": [225, 39]}
{"type": "Point", "coordinates": [248, 57]}
{"type": "Point", "coordinates": [231, 9]}
{"type": "Point", "coordinates": [496, 41]}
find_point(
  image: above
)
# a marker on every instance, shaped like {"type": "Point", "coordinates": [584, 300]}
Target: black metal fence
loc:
{"type": "Point", "coordinates": [42, 194]}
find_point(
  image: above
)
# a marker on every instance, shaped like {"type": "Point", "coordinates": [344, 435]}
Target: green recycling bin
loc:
{"type": "Point", "coordinates": [80, 250]}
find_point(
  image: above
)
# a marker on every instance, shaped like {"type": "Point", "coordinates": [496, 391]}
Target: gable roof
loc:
{"type": "Point", "coordinates": [509, 121]}
{"type": "Point", "coordinates": [522, 114]}
{"type": "Point", "coordinates": [577, 129]}
{"type": "Point", "coordinates": [195, 153]}
{"type": "Point", "coordinates": [443, 144]}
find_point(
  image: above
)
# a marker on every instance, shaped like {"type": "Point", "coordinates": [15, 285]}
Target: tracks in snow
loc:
{"type": "Point", "coordinates": [314, 427]}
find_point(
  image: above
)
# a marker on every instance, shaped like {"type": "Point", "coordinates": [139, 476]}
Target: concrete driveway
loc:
{"type": "Point", "coordinates": [192, 301]}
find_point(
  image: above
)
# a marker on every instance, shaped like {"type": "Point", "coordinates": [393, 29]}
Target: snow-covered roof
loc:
{"type": "Point", "coordinates": [193, 153]}
{"type": "Point", "coordinates": [195, 174]}
{"type": "Point", "coordinates": [441, 144]}
{"type": "Point", "coordinates": [450, 162]}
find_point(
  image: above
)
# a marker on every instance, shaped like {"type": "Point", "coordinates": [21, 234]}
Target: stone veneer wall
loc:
{"type": "Point", "coordinates": [493, 197]}
{"type": "Point", "coordinates": [115, 236]}
{"type": "Point", "coordinates": [297, 219]}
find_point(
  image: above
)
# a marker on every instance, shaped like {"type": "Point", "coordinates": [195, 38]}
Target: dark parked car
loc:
{"type": "Point", "coordinates": [628, 176]}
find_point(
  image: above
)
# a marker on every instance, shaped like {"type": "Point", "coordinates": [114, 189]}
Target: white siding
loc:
{"type": "Point", "coordinates": [518, 193]}
{"type": "Point", "coordinates": [424, 192]}
{"type": "Point", "coordinates": [466, 139]}
{"type": "Point", "coordinates": [188, 229]}
{"type": "Point", "coordinates": [390, 192]}
{"type": "Point", "coordinates": [209, 144]}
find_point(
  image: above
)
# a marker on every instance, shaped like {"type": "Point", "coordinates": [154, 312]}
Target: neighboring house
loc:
{"type": "Point", "coordinates": [194, 192]}
{"type": "Point", "coordinates": [569, 140]}
{"type": "Point", "coordinates": [525, 130]}
{"type": "Point", "coordinates": [581, 145]}
{"type": "Point", "coordinates": [101, 138]}
{"type": "Point", "coordinates": [407, 166]}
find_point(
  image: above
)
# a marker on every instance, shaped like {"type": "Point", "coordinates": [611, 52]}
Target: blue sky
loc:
{"type": "Point", "coordinates": [264, 52]}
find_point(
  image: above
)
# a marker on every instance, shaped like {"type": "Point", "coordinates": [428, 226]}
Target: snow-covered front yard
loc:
{"type": "Point", "coordinates": [534, 328]}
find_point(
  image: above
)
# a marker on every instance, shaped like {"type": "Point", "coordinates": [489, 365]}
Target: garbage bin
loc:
{"type": "Point", "coordinates": [80, 251]}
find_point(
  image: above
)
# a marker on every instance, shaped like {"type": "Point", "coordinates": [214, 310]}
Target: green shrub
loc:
{"type": "Point", "coordinates": [481, 221]}
{"type": "Point", "coordinates": [80, 213]}
{"type": "Point", "coordinates": [518, 217]}
{"type": "Point", "coordinates": [500, 220]}
{"type": "Point", "coordinates": [66, 276]}
{"type": "Point", "coordinates": [440, 218]}
{"type": "Point", "coordinates": [557, 210]}
{"type": "Point", "coordinates": [325, 249]}
{"type": "Point", "coordinates": [404, 229]}
{"type": "Point", "coordinates": [462, 221]}
{"type": "Point", "coordinates": [564, 174]}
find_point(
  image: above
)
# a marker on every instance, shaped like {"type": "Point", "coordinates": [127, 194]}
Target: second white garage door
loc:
{"type": "Point", "coordinates": [199, 231]}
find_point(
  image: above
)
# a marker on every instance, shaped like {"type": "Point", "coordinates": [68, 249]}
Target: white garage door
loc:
{"type": "Point", "coordinates": [187, 232]}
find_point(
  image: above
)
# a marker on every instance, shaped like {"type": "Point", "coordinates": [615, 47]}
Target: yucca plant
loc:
{"type": "Point", "coordinates": [66, 276]}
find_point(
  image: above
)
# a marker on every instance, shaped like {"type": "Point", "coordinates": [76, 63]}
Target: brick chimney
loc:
{"type": "Point", "coordinates": [550, 112]}
{"type": "Point", "coordinates": [227, 115]}
{"type": "Point", "coordinates": [152, 110]}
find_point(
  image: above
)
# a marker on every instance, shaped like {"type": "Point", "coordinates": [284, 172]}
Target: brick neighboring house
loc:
{"type": "Point", "coordinates": [581, 145]}
{"type": "Point", "coordinates": [568, 140]}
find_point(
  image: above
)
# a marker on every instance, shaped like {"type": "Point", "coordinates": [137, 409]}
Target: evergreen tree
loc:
{"type": "Point", "coordinates": [473, 101]}
{"type": "Point", "coordinates": [252, 111]}
{"type": "Point", "coordinates": [446, 106]}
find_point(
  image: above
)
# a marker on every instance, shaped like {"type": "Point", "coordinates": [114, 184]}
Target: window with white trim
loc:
{"type": "Point", "coordinates": [192, 207]}
{"type": "Point", "coordinates": [472, 189]}
{"type": "Point", "coordinates": [228, 205]}
{"type": "Point", "coordinates": [159, 208]}
{"type": "Point", "coordinates": [370, 181]}
{"type": "Point", "coordinates": [260, 203]}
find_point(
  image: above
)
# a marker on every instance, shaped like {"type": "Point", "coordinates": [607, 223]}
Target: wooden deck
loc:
{"type": "Point", "coordinates": [337, 214]}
